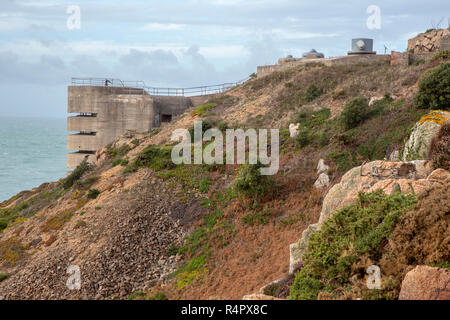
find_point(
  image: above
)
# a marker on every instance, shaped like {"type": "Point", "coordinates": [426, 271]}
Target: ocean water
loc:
{"type": "Point", "coordinates": [32, 151]}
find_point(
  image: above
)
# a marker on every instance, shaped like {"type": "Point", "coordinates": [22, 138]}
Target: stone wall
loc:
{"type": "Point", "coordinates": [399, 58]}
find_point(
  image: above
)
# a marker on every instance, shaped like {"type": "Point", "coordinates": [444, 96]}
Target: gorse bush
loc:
{"type": "Point", "coordinates": [93, 193]}
{"type": "Point", "coordinates": [157, 296]}
{"type": "Point", "coordinates": [76, 174]}
{"type": "Point", "coordinates": [434, 89]}
{"type": "Point", "coordinates": [249, 181]}
{"type": "Point", "coordinates": [205, 126]}
{"type": "Point", "coordinates": [353, 232]}
{"type": "Point", "coordinates": [355, 112]}
{"type": "Point", "coordinates": [155, 157]}
{"type": "Point", "coordinates": [3, 225]}
{"type": "Point", "coordinates": [312, 93]}
{"type": "Point", "coordinates": [3, 276]}
{"type": "Point", "coordinates": [303, 137]}
{"type": "Point", "coordinates": [116, 154]}
{"type": "Point", "coordinates": [309, 118]}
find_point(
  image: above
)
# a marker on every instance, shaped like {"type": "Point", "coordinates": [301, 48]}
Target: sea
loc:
{"type": "Point", "coordinates": [32, 151]}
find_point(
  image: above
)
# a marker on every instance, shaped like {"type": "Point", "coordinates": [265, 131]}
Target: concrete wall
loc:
{"type": "Point", "coordinates": [104, 113]}
{"type": "Point", "coordinates": [171, 105]}
{"type": "Point", "coordinates": [337, 61]}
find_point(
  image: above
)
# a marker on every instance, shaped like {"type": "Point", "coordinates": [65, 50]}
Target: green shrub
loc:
{"type": "Point", "coordinates": [303, 138]}
{"type": "Point", "coordinates": [3, 276]}
{"type": "Point", "coordinates": [206, 125]}
{"type": "Point", "coordinates": [250, 182]}
{"type": "Point", "coordinates": [204, 184]}
{"type": "Point", "coordinates": [203, 109]}
{"type": "Point", "coordinates": [76, 174]}
{"type": "Point", "coordinates": [157, 296]}
{"type": "Point", "coordinates": [117, 152]}
{"type": "Point", "coordinates": [136, 295]}
{"type": "Point", "coordinates": [258, 217]}
{"type": "Point", "coordinates": [173, 250]}
{"type": "Point", "coordinates": [222, 126]}
{"type": "Point", "coordinates": [323, 139]}
{"type": "Point", "coordinates": [3, 225]}
{"type": "Point", "coordinates": [93, 193]}
{"type": "Point", "coordinates": [154, 132]}
{"type": "Point", "coordinates": [310, 119]}
{"type": "Point", "coordinates": [342, 159]}
{"type": "Point", "coordinates": [353, 232]}
{"type": "Point", "coordinates": [157, 158]}
{"type": "Point", "coordinates": [355, 112]}
{"type": "Point", "coordinates": [312, 93]}
{"type": "Point", "coordinates": [434, 89]}
{"type": "Point", "coordinates": [119, 161]}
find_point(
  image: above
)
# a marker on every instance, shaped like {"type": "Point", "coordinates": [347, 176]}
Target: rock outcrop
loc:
{"type": "Point", "coordinates": [427, 42]}
{"type": "Point", "coordinates": [416, 148]}
{"type": "Point", "coordinates": [293, 130]}
{"type": "Point", "coordinates": [426, 283]}
{"type": "Point", "coordinates": [259, 296]}
{"type": "Point", "coordinates": [406, 177]}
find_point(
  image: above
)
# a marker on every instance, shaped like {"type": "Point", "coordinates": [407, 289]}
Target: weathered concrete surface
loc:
{"type": "Point", "coordinates": [104, 113]}
{"type": "Point", "coordinates": [74, 158]}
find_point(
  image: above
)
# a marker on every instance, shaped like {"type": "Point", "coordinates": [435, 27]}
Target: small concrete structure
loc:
{"type": "Point", "coordinates": [362, 46]}
{"type": "Point", "coordinates": [313, 54]}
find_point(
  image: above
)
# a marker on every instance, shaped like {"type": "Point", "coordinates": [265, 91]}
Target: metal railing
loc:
{"type": "Point", "coordinates": [157, 91]}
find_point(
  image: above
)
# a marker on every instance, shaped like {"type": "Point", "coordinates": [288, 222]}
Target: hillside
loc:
{"type": "Point", "coordinates": [139, 226]}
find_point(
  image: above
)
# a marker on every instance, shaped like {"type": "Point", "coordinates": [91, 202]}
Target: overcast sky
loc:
{"type": "Point", "coordinates": [180, 43]}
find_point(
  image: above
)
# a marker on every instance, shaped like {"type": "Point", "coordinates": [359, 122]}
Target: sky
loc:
{"type": "Point", "coordinates": [43, 44]}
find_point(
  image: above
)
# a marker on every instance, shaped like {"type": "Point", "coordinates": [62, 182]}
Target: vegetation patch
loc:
{"type": "Point", "coordinates": [353, 233]}
{"type": "Point", "coordinates": [3, 276]}
{"type": "Point", "coordinates": [157, 296]}
{"type": "Point", "coordinates": [154, 157]}
{"type": "Point", "coordinates": [77, 173]}
{"type": "Point", "coordinates": [29, 207]}
{"type": "Point", "coordinates": [312, 93]}
{"type": "Point", "coordinates": [258, 218]}
{"type": "Point", "coordinates": [434, 89]}
{"type": "Point", "coordinates": [355, 112]}
{"type": "Point", "coordinates": [215, 231]}
{"type": "Point", "coordinates": [250, 183]}
{"type": "Point", "coordinates": [11, 251]}
{"type": "Point", "coordinates": [56, 222]}
{"type": "Point", "coordinates": [116, 154]}
{"type": "Point", "coordinates": [203, 109]}
{"type": "Point", "coordinates": [93, 193]}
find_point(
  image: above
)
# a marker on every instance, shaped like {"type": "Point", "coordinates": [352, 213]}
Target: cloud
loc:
{"type": "Point", "coordinates": [183, 42]}
{"type": "Point", "coordinates": [162, 27]}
